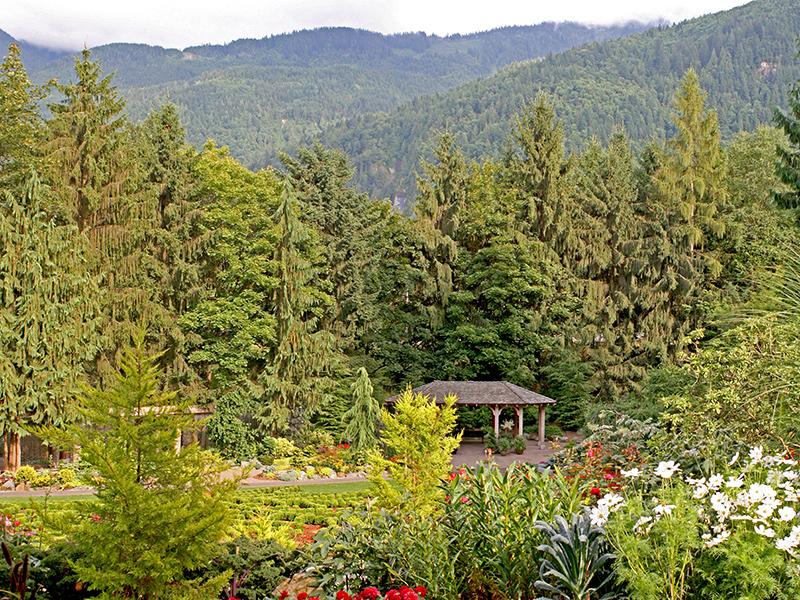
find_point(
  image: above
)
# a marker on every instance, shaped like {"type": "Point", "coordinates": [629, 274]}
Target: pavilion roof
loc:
{"type": "Point", "coordinates": [479, 393]}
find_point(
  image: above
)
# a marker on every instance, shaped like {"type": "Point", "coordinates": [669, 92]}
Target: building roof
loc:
{"type": "Point", "coordinates": [479, 393]}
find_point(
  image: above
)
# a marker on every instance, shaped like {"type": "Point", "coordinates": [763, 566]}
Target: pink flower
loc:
{"type": "Point", "coordinates": [95, 517]}
{"type": "Point", "coordinates": [464, 500]}
{"type": "Point", "coordinates": [609, 476]}
{"type": "Point", "coordinates": [590, 453]}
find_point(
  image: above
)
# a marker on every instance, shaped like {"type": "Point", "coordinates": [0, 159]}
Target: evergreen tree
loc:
{"type": "Point", "coordinates": [535, 167]}
{"type": "Point", "coordinates": [693, 172]}
{"type": "Point", "coordinates": [788, 167]}
{"type": "Point", "coordinates": [21, 126]}
{"type": "Point", "coordinates": [442, 196]}
{"type": "Point", "coordinates": [172, 243]}
{"type": "Point", "coordinates": [346, 223]}
{"type": "Point", "coordinates": [418, 434]}
{"type": "Point", "coordinates": [160, 510]}
{"type": "Point", "coordinates": [364, 417]}
{"type": "Point", "coordinates": [604, 267]}
{"type": "Point", "coordinates": [296, 381]}
{"type": "Point", "coordinates": [48, 317]}
{"type": "Point", "coordinates": [94, 177]}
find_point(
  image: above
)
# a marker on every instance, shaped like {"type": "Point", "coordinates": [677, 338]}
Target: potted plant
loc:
{"type": "Point", "coordinates": [519, 444]}
{"type": "Point", "coordinates": [504, 444]}
{"type": "Point", "coordinates": [490, 441]}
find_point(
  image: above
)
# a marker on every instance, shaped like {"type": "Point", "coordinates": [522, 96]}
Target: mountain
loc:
{"type": "Point", "coordinates": [262, 97]}
{"type": "Point", "coordinates": [34, 57]}
{"type": "Point", "coordinates": [745, 58]}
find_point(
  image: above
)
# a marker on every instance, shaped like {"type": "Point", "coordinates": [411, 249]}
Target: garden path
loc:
{"type": "Point", "coordinates": [468, 454]}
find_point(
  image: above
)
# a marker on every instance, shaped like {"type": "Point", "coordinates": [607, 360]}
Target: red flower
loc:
{"type": "Point", "coordinates": [421, 591]}
{"type": "Point", "coordinates": [302, 596]}
{"type": "Point", "coordinates": [392, 595]}
{"type": "Point", "coordinates": [284, 594]}
{"type": "Point", "coordinates": [17, 523]}
{"type": "Point", "coordinates": [370, 593]}
{"type": "Point", "coordinates": [593, 492]}
{"type": "Point", "coordinates": [342, 595]}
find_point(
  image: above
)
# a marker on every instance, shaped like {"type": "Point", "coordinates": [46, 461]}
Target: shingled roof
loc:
{"type": "Point", "coordinates": [480, 393]}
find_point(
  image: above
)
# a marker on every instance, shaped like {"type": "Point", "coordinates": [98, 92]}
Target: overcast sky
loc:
{"type": "Point", "coordinates": [183, 23]}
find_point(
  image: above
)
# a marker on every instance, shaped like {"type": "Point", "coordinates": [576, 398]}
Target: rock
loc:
{"type": "Point", "coordinates": [21, 487]}
{"type": "Point", "coordinates": [298, 584]}
{"type": "Point", "coordinates": [7, 486]}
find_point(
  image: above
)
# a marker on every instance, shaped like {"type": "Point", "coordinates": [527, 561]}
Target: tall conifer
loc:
{"type": "Point", "coordinates": [48, 316]}
{"type": "Point", "coordinates": [297, 382]}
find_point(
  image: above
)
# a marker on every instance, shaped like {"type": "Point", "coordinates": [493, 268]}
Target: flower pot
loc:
{"type": "Point", "coordinates": [520, 451]}
{"type": "Point", "coordinates": [505, 452]}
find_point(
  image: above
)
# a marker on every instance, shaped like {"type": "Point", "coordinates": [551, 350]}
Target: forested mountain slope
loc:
{"type": "Point", "coordinates": [261, 97]}
{"type": "Point", "coordinates": [745, 58]}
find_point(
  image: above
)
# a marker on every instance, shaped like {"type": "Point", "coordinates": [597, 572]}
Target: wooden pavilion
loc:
{"type": "Point", "coordinates": [497, 395]}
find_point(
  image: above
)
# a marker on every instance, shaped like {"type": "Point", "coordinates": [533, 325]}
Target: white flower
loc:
{"type": "Point", "coordinates": [721, 504]}
{"type": "Point", "coordinates": [715, 481]}
{"type": "Point", "coordinates": [765, 531]}
{"type": "Point", "coordinates": [642, 521]}
{"type": "Point", "coordinates": [613, 502]}
{"type": "Point", "coordinates": [667, 469]}
{"type": "Point", "coordinates": [734, 459]}
{"type": "Point", "coordinates": [700, 487]}
{"type": "Point", "coordinates": [756, 454]}
{"type": "Point", "coordinates": [787, 513]}
{"type": "Point", "coordinates": [718, 539]}
{"type": "Point", "coordinates": [634, 472]}
{"type": "Point", "coordinates": [791, 475]}
{"type": "Point", "coordinates": [767, 507]}
{"type": "Point", "coordinates": [735, 482]}
{"type": "Point", "coordinates": [664, 509]}
{"type": "Point", "coordinates": [599, 515]}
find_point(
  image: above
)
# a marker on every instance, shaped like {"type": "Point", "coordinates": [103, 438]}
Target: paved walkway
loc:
{"type": "Point", "coordinates": [468, 454]}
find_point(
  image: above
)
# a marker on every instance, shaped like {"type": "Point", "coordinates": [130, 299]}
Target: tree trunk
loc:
{"type": "Point", "coordinates": [13, 458]}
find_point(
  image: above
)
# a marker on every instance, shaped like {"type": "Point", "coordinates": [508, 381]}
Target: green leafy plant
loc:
{"type": "Point", "coordinates": [577, 565]}
{"type": "Point", "coordinates": [418, 436]}
{"type": "Point", "coordinates": [160, 511]}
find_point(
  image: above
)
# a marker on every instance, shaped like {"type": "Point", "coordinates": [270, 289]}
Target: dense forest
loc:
{"type": "Point", "coordinates": [744, 57]}
{"type": "Point", "coordinates": [586, 276]}
{"type": "Point", "coordinates": [380, 99]}
{"type": "Point", "coordinates": [263, 97]}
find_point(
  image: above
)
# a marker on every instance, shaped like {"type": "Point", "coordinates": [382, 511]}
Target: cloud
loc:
{"type": "Point", "coordinates": [182, 23]}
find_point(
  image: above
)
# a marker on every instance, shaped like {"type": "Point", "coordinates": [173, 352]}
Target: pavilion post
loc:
{"type": "Point", "coordinates": [496, 410]}
{"type": "Point", "coordinates": [541, 426]}
{"type": "Point", "coordinates": [519, 410]}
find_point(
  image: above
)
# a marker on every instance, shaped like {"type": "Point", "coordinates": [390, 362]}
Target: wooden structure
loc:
{"type": "Point", "coordinates": [497, 395]}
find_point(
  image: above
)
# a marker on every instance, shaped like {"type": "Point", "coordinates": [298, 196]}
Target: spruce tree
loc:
{"type": "Point", "coordinates": [297, 379]}
{"type": "Point", "coordinates": [440, 203]}
{"type": "Point", "coordinates": [49, 316]}
{"type": "Point", "coordinates": [346, 223]}
{"type": "Point", "coordinates": [605, 264]}
{"type": "Point", "coordinates": [788, 166]}
{"type": "Point", "coordinates": [172, 243]}
{"type": "Point", "coordinates": [536, 169]}
{"type": "Point", "coordinates": [364, 417]}
{"type": "Point", "coordinates": [160, 509]}
{"type": "Point", "coordinates": [21, 126]}
{"type": "Point", "coordinates": [94, 180]}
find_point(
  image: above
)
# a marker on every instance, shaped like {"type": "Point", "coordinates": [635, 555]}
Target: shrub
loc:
{"type": "Point", "coordinates": [290, 475]}
{"type": "Point", "coordinates": [179, 497]}
{"type": "Point", "coordinates": [418, 435]}
{"type": "Point", "coordinates": [66, 476]}
{"type": "Point", "coordinates": [25, 474]}
{"type": "Point", "coordinates": [284, 448]}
